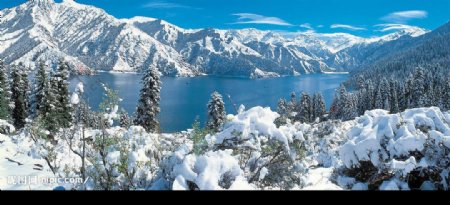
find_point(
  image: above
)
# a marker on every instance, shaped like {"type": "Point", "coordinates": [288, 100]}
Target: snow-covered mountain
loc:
{"type": "Point", "coordinates": [91, 39]}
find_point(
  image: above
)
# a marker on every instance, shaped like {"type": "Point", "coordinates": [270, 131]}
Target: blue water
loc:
{"type": "Point", "coordinates": [183, 99]}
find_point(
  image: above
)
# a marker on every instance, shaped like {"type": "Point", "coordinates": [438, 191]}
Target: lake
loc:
{"type": "Point", "coordinates": [183, 99]}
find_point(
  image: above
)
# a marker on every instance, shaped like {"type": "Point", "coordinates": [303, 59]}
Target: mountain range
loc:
{"type": "Point", "coordinates": [90, 39]}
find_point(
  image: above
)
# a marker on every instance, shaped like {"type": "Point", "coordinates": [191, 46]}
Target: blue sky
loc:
{"type": "Point", "coordinates": [360, 17]}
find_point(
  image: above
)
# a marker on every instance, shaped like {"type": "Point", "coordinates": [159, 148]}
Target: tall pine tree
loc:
{"type": "Point", "coordinates": [305, 111]}
{"type": "Point", "coordinates": [19, 112]}
{"type": "Point", "coordinates": [40, 81]}
{"type": "Point", "coordinates": [5, 100]}
{"type": "Point", "coordinates": [318, 106]}
{"type": "Point", "coordinates": [282, 110]}
{"type": "Point", "coordinates": [148, 106]}
{"type": "Point", "coordinates": [61, 86]}
{"type": "Point", "coordinates": [419, 98]}
{"type": "Point", "coordinates": [394, 97]}
{"type": "Point", "coordinates": [216, 112]}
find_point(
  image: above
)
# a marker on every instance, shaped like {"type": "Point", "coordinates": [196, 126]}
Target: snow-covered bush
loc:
{"type": "Point", "coordinates": [250, 152]}
{"type": "Point", "coordinates": [122, 159]}
{"type": "Point", "coordinates": [6, 128]}
{"type": "Point", "coordinates": [399, 151]}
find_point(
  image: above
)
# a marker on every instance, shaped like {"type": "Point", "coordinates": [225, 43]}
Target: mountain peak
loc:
{"type": "Point", "coordinates": [41, 2]}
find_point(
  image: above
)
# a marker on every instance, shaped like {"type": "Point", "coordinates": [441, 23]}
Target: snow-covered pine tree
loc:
{"type": "Point", "coordinates": [318, 106]}
{"type": "Point", "coordinates": [148, 106]}
{"type": "Point", "coordinates": [5, 100]}
{"type": "Point", "coordinates": [338, 105]}
{"type": "Point", "coordinates": [40, 81]}
{"type": "Point", "coordinates": [361, 100]}
{"type": "Point", "coordinates": [48, 106]}
{"type": "Point", "coordinates": [418, 89]}
{"type": "Point", "coordinates": [305, 110]}
{"type": "Point", "coordinates": [282, 109]}
{"type": "Point", "coordinates": [124, 120]}
{"type": "Point", "coordinates": [394, 97]}
{"type": "Point", "coordinates": [360, 82]}
{"type": "Point", "coordinates": [25, 85]}
{"type": "Point", "coordinates": [406, 100]}
{"type": "Point", "coordinates": [292, 105]}
{"type": "Point", "coordinates": [64, 108]}
{"type": "Point", "coordinates": [19, 112]}
{"type": "Point", "coordinates": [446, 96]}
{"type": "Point", "coordinates": [383, 95]}
{"type": "Point", "coordinates": [369, 100]}
{"type": "Point", "coordinates": [349, 109]}
{"type": "Point", "coordinates": [216, 112]}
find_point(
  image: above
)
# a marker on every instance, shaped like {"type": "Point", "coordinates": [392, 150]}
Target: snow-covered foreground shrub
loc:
{"type": "Point", "coordinates": [410, 150]}
{"type": "Point", "coordinates": [6, 128]}
{"type": "Point", "coordinates": [250, 153]}
{"type": "Point", "coordinates": [114, 158]}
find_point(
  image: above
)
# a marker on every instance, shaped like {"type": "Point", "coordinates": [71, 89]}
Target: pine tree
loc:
{"type": "Point", "coordinates": [19, 112]}
{"type": "Point", "coordinates": [446, 95]}
{"type": "Point", "coordinates": [291, 107]}
{"type": "Point", "coordinates": [383, 95]}
{"type": "Point", "coordinates": [370, 96]}
{"type": "Point", "coordinates": [305, 111]}
{"type": "Point", "coordinates": [338, 105]}
{"type": "Point", "coordinates": [61, 86]}
{"type": "Point", "coordinates": [40, 82]}
{"type": "Point", "coordinates": [124, 120]}
{"type": "Point", "coordinates": [418, 89]}
{"type": "Point", "coordinates": [394, 97]}
{"type": "Point", "coordinates": [148, 105]}
{"type": "Point", "coordinates": [5, 100]}
{"type": "Point", "coordinates": [360, 82]}
{"type": "Point", "coordinates": [216, 112]}
{"type": "Point", "coordinates": [48, 106]}
{"type": "Point", "coordinates": [407, 96]}
{"type": "Point", "coordinates": [282, 110]}
{"type": "Point", "coordinates": [349, 107]}
{"type": "Point", "coordinates": [25, 86]}
{"type": "Point", "coordinates": [319, 106]}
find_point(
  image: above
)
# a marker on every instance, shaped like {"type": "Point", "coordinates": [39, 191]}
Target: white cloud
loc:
{"type": "Point", "coordinates": [249, 18]}
{"type": "Point", "coordinates": [348, 27]}
{"type": "Point", "coordinates": [165, 5]}
{"type": "Point", "coordinates": [404, 16]}
{"type": "Point", "coordinates": [394, 27]}
{"type": "Point", "coordinates": [307, 26]}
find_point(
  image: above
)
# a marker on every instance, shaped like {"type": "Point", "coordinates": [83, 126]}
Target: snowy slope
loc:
{"type": "Point", "coordinates": [90, 39]}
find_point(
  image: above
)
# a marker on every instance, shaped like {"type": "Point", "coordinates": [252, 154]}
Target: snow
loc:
{"type": "Point", "coordinates": [319, 179]}
{"type": "Point", "coordinates": [379, 135]}
{"type": "Point", "coordinates": [74, 100]}
{"type": "Point", "coordinates": [208, 170]}
{"type": "Point", "coordinates": [16, 164]}
{"type": "Point", "coordinates": [237, 157]}
{"type": "Point", "coordinates": [405, 166]}
{"type": "Point", "coordinates": [254, 122]}
{"type": "Point", "coordinates": [79, 88]}
{"type": "Point", "coordinates": [389, 186]}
